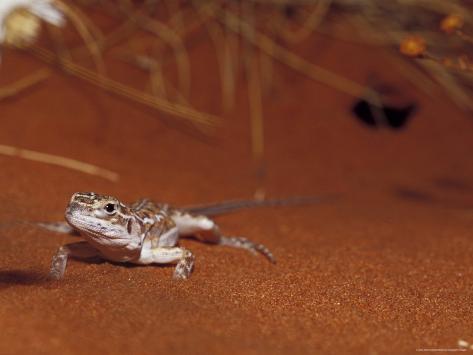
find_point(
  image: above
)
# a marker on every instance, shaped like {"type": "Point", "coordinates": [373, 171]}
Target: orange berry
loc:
{"type": "Point", "coordinates": [451, 23]}
{"type": "Point", "coordinates": [413, 46]}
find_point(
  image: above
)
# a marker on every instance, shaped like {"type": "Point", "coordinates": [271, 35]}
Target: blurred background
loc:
{"type": "Point", "coordinates": [328, 82]}
{"type": "Point", "coordinates": [201, 101]}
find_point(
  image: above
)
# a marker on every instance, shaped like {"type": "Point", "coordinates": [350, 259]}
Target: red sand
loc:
{"type": "Point", "coordinates": [386, 268]}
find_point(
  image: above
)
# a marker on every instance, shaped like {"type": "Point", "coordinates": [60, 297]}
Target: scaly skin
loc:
{"type": "Point", "coordinates": [143, 233]}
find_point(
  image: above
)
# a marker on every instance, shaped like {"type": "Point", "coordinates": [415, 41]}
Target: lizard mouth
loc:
{"type": "Point", "coordinates": [69, 217]}
{"type": "Point", "coordinates": [94, 229]}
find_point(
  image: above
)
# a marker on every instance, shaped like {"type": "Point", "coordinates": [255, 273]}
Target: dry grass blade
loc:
{"type": "Point", "coordinates": [256, 118]}
{"type": "Point", "coordinates": [59, 161]}
{"type": "Point", "coordinates": [166, 34]}
{"type": "Point", "coordinates": [315, 72]}
{"type": "Point", "coordinates": [202, 121]}
{"type": "Point", "coordinates": [313, 21]}
{"type": "Point", "coordinates": [121, 32]}
{"type": "Point", "coordinates": [224, 60]}
{"type": "Point", "coordinates": [23, 84]}
{"type": "Point", "coordinates": [158, 86]}
{"type": "Point", "coordinates": [84, 26]}
{"type": "Point", "coordinates": [255, 100]}
{"type": "Point", "coordinates": [456, 93]}
{"type": "Point", "coordinates": [182, 60]}
{"type": "Point", "coordinates": [254, 90]}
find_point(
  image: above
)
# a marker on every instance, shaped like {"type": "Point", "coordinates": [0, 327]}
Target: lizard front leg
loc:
{"type": "Point", "coordinates": [165, 255]}
{"type": "Point", "coordinates": [206, 230]}
{"type": "Point", "coordinates": [79, 250]}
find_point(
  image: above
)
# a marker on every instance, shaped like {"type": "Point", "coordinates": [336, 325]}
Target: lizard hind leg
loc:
{"type": "Point", "coordinates": [207, 231]}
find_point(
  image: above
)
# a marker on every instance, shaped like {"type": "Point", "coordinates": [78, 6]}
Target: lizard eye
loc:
{"type": "Point", "coordinates": [110, 208]}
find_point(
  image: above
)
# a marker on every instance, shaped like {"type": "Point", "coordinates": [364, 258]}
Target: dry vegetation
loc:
{"type": "Point", "coordinates": [429, 38]}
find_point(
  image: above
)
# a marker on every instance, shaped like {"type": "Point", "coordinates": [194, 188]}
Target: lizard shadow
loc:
{"type": "Point", "coordinates": [129, 265]}
{"type": "Point", "coordinates": [9, 278]}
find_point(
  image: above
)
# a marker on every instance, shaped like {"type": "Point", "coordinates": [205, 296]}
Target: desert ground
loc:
{"type": "Point", "coordinates": [386, 267]}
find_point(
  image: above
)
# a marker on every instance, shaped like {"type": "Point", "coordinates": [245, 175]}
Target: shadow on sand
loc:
{"type": "Point", "coordinates": [10, 278]}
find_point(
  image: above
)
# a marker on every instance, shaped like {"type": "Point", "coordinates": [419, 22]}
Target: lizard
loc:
{"type": "Point", "coordinates": [147, 232]}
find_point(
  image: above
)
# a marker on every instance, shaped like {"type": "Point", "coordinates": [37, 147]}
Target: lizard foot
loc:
{"type": "Point", "coordinates": [184, 266]}
{"type": "Point", "coordinates": [58, 264]}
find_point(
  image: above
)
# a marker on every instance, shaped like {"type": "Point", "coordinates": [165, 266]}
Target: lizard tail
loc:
{"type": "Point", "coordinates": [235, 205]}
{"type": "Point", "coordinates": [243, 243]}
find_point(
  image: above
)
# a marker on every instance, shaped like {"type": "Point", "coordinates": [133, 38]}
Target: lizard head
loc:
{"type": "Point", "coordinates": [102, 218]}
